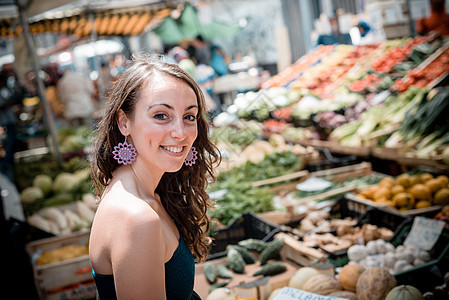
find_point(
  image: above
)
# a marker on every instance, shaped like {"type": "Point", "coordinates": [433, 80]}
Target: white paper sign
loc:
{"type": "Point", "coordinates": [289, 293]}
{"type": "Point", "coordinates": [424, 233]}
{"type": "Point", "coordinates": [313, 184]}
{"type": "Point", "coordinates": [419, 9]}
{"type": "Point", "coordinates": [393, 14]}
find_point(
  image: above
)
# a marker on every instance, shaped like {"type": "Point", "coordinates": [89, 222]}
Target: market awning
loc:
{"type": "Point", "coordinates": [188, 26]}
{"type": "Point", "coordinates": [105, 22]}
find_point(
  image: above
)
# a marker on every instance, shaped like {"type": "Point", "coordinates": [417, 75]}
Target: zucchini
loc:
{"type": "Point", "coordinates": [253, 244]}
{"type": "Point", "coordinates": [272, 251]}
{"type": "Point", "coordinates": [223, 271]}
{"type": "Point", "coordinates": [247, 256]}
{"type": "Point", "coordinates": [273, 268]}
{"type": "Point", "coordinates": [235, 261]}
{"type": "Point", "coordinates": [219, 285]}
{"type": "Point", "coordinates": [209, 273]}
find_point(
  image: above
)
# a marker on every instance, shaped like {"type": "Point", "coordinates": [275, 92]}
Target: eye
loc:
{"type": "Point", "coordinates": [161, 116]}
{"type": "Point", "coordinates": [191, 118]}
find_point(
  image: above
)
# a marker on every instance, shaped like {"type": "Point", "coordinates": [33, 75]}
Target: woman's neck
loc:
{"type": "Point", "coordinates": [147, 181]}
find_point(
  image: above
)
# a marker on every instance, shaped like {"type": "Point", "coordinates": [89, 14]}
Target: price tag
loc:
{"type": "Point", "coordinates": [424, 233]}
{"type": "Point", "coordinates": [419, 9]}
{"type": "Point", "coordinates": [289, 293]}
{"type": "Point", "coordinates": [393, 14]}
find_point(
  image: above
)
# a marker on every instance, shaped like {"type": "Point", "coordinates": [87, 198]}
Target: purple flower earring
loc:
{"type": "Point", "coordinates": [191, 157]}
{"type": "Point", "coordinates": [124, 153]}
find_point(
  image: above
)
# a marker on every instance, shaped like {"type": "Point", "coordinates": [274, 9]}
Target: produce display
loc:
{"type": "Point", "coordinates": [74, 139]}
{"type": "Point", "coordinates": [47, 191]}
{"type": "Point", "coordinates": [359, 182]}
{"type": "Point", "coordinates": [407, 191]}
{"type": "Point", "coordinates": [62, 254]}
{"type": "Point", "coordinates": [264, 255]}
{"type": "Point", "coordinates": [235, 194]}
{"type": "Point", "coordinates": [357, 97]}
{"type": "Point", "coordinates": [380, 253]}
{"type": "Point", "coordinates": [383, 97]}
{"type": "Point", "coordinates": [63, 220]}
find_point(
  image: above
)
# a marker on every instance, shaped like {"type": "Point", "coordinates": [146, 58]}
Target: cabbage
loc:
{"type": "Point", "coordinates": [44, 182]}
{"type": "Point", "coordinates": [64, 182]}
{"type": "Point", "coordinates": [31, 194]}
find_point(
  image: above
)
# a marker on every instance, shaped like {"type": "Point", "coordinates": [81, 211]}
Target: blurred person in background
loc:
{"type": "Point", "coordinates": [76, 93]}
{"type": "Point", "coordinates": [335, 36]}
{"type": "Point", "coordinates": [218, 60]}
{"type": "Point", "coordinates": [11, 93]}
{"type": "Point", "coordinates": [202, 50]}
{"type": "Point", "coordinates": [437, 22]}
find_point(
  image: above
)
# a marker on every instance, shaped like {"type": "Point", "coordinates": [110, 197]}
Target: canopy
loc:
{"type": "Point", "coordinates": [108, 21]}
{"type": "Point", "coordinates": [188, 26]}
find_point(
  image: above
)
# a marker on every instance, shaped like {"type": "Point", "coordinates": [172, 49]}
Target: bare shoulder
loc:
{"type": "Point", "coordinates": [122, 217]}
{"type": "Point", "coordinates": [127, 212]}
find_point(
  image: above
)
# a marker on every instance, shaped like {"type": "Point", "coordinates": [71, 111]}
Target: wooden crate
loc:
{"type": "Point", "coordinates": [340, 174]}
{"type": "Point", "coordinates": [363, 151]}
{"type": "Point", "coordinates": [410, 160]}
{"type": "Point", "coordinates": [335, 175]}
{"type": "Point", "coordinates": [70, 279]}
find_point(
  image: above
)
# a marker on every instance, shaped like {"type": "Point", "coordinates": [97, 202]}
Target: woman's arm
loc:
{"type": "Point", "coordinates": [137, 257]}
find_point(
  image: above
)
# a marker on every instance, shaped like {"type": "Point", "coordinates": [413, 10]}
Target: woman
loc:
{"type": "Point", "coordinates": [152, 163]}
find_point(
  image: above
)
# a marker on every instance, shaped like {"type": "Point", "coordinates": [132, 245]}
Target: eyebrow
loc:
{"type": "Point", "coordinates": [171, 107]}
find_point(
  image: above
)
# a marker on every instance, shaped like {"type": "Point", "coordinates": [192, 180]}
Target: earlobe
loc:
{"type": "Point", "coordinates": [122, 122]}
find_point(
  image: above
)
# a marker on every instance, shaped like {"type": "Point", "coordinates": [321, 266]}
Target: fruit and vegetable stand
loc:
{"type": "Point", "coordinates": [379, 103]}
{"type": "Point", "coordinates": [276, 190]}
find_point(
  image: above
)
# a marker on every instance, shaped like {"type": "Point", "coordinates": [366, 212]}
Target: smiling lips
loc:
{"type": "Point", "coordinates": [174, 150]}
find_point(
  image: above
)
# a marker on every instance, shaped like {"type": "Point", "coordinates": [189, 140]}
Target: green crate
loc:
{"type": "Point", "coordinates": [427, 275]}
{"type": "Point", "coordinates": [424, 277]}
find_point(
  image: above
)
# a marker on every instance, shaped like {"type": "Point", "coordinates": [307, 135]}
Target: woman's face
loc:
{"type": "Point", "coordinates": [164, 126]}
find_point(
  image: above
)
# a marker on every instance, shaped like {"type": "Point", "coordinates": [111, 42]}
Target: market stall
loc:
{"type": "Point", "coordinates": [333, 181]}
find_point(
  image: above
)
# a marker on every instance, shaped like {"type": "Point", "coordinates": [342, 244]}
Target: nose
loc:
{"type": "Point", "coordinates": [178, 131]}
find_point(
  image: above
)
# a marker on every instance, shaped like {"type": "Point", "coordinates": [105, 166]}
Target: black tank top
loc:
{"type": "Point", "coordinates": [179, 277]}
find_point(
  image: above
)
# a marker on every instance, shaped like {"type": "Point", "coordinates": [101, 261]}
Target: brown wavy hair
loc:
{"type": "Point", "coordinates": [183, 193]}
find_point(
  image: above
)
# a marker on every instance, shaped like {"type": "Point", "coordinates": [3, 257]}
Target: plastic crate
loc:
{"type": "Point", "coordinates": [383, 217]}
{"type": "Point", "coordinates": [342, 208]}
{"type": "Point", "coordinates": [427, 275]}
{"type": "Point", "coordinates": [374, 216]}
{"type": "Point", "coordinates": [346, 207]}
{"type": "Point", "coordinates": [249, 225]}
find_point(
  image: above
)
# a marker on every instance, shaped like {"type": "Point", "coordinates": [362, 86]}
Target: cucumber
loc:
{"type": "Point", "coordinates": [223, 271]}
{"type": "Point", "coordinates": [253, 244]}
{"type": "Point", "coordinates": [209, 273]}
{"type": "Point", "coordinates": [272, 251]}
{"type": "Point", "coordinates": [247, 256]}
{"type": "Point", "coordinates": [235, 261]}
{"type": "Point", "coordinates": [273, 268]}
